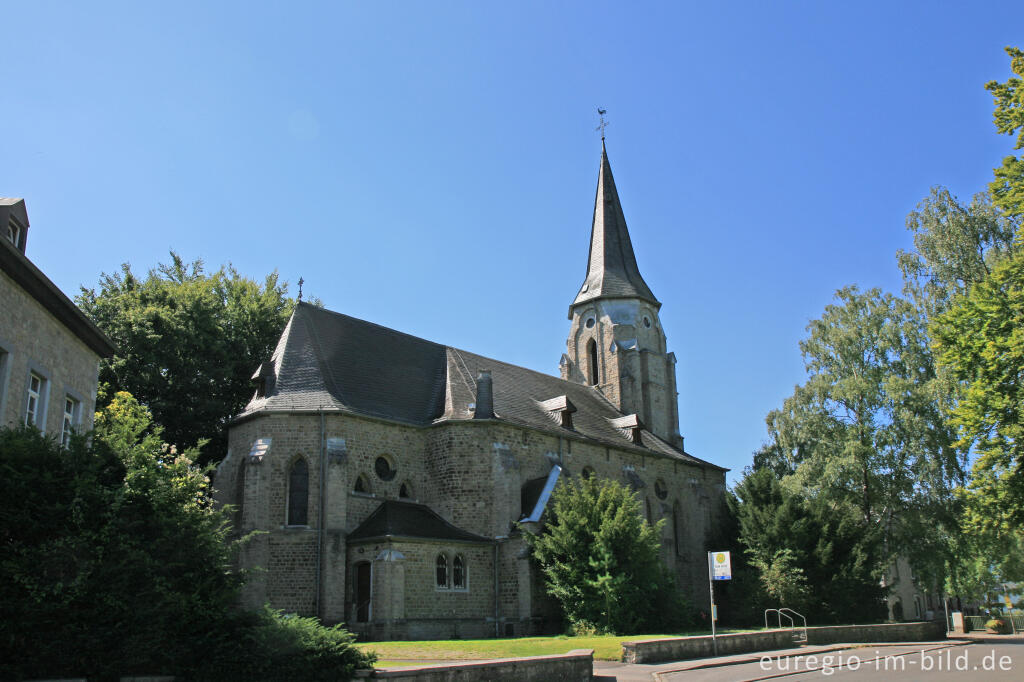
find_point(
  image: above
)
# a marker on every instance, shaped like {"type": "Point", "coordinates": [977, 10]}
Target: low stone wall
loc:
{"type": "Point", "coordinates": [888, 632]}
{"type": "Point", "coordinates": [575, 666]}
{"type": "Point", "coordinates": [682, 648]}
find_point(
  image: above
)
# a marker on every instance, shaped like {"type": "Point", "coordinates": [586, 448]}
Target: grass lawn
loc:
{"type": "Point", "coordinates": [606, 648]}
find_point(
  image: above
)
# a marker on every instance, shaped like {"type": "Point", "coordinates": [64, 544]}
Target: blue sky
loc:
{"type": "Point", "coordinates": [430, 166]}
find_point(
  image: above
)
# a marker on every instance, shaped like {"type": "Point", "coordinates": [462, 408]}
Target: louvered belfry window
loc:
{"type": "Point", "coordinates": [298, 494]}
{"type": "Point", "coordinates": [592, 357]}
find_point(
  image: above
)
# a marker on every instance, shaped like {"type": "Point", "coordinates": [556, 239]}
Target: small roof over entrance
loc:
{"type": "Point", "coordinates": [410, 520]}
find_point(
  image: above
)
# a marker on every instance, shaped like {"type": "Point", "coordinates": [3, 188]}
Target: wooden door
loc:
{"type": "Point", "coordinates": [363, 592]}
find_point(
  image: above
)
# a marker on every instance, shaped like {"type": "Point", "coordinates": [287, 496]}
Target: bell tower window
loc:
{"type": "Point", "coordinates": [592, 361]}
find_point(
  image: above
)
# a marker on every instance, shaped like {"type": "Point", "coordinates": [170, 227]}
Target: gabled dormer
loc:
{"type": "Point", "coordinates": [14, 222]}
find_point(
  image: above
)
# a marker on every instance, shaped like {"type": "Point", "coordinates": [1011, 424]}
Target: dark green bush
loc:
{"type": "Point", "coordinates": [114, 561]}
{"type": "Point", "coordinates": [276, 646]}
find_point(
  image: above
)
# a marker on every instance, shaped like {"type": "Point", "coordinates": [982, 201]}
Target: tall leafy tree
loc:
{"type": "Point", "coordinates": [1008, 186]}
{"type": "Point", "coordinates": [865, 433]}
{"type": "Point", "coordinates": [955, 246]}
{"type": "Point", "coordinates": [981, 339]}
{"type": "Point", "coordinates": [977, 337]}
{"type": "Point", "coordinates": [188, 341]}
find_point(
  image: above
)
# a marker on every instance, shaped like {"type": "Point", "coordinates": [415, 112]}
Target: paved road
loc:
{"type": "Point", "coordinates": [984, 661]}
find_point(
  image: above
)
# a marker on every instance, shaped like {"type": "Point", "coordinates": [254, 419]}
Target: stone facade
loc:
{"type": "Point", "coordinates": [472, 473]}
{"type": "Point", "coordinates": [907, 600]}
{"type": "Point", "coordinates": [49, 352]}
{"type": "Point", "coordinates": [623, 342]}
{"type": "Point", "coordinates": [388, 488]}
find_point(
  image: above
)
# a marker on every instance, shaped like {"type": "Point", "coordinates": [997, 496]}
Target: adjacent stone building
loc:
{"type": "Point", "coordinates": [49, 350]}
{"type": "Point", "coordinates": [907, 598]}
{"type": "Point", "coordinates": [389, 473]}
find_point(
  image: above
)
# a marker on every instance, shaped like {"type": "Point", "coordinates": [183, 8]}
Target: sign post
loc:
{"type": "Point", "coordinates": [719, 568]}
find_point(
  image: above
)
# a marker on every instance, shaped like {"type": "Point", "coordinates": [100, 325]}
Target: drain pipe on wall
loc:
{"type": "Point", "coordinates": [322, 517]}
{"type": "Point", "coordinates": [497, 626]}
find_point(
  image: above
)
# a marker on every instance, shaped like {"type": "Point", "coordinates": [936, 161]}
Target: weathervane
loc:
{"type": "Point", "coordinates": [603, 124]}
{"type": "Point", "coordinates": [300, 288]}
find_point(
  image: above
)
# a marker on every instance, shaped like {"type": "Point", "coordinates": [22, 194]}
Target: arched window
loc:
{"type": "Point", "coordinates": [405, 491]}
{"type": "Point", "coordinates": [647, 506]}
{"type": "Point", "coordinates": [361, 485]}
{"type": "Point", "coordinates": [587, 473]}
{"type": "Point", "coordinates": [458, 573]}
{"type": "Point", "coordinates": [298, 493]}
{"type": "Point", "coordinates": [592, 358]}
{"type": "Point", "coordinates": [442, 572]}
{"type": "Point", "coordinates": [660, 489]}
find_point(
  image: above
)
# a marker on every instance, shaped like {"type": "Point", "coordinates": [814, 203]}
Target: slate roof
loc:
{"type": "Point", "coordinates": [336, 362]}
{"type": "Point", "coordinates": [612, 271]}
{"type": "Point", "coordinates": [409, 520]}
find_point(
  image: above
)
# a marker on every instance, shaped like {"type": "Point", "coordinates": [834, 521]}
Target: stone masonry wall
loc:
{"type": "Point", "coordinates": [471, 473]}
{"type": "Point", "coordinates": [33, 340]}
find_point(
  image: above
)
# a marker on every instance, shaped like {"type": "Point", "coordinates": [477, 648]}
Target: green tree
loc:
{"type": "Point", "coordinates": [862, 431]}
{"type": "Point", "coordinates": [809, 553]}
{"type": "Point", "coordinates": [975, 338]}
{"type": "Point", "coordinates": [955, 246]}
{"type": "Point", "coordinates": [116, 562]}
{"type": "Point", "coordinates": [980, 340]}
{"type": "Point", "coordinates": [867, 433]}
{"type": "Point", "coordinates": [600, 559]}
{"type": "Point", "coordinates": [1008, 186]}
{"type": "Point", "coordinates": [114, 558]}
{"type": "Point", "coordinates": [188, 342]}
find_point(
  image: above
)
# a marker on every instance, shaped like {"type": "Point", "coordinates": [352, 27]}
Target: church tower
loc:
{"type": "Point", "coordinates": [616, 343]}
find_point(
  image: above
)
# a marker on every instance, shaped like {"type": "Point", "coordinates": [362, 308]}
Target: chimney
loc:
{"type": "Point", "coordinates": [484, 396]}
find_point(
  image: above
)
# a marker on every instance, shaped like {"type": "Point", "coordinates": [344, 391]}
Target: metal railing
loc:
{"type": "Point", "coordinates": [975, 622]}
{"type": "Point", "coordinates": [785, 613]}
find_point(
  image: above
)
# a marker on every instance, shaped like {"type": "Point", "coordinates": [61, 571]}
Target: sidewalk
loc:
{"type": "Point", "coordinates": [606, 671]}
{"type": "Point", "coordinates": [981, 636]}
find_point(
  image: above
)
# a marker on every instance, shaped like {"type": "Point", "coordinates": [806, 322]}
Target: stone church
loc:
{"type": "Point", "coordinates": [390, 475]}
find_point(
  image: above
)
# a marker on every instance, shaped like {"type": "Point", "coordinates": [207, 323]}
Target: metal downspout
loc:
{"type": "Point", "coordinates": [321, 513]}
{"type": "Point", "coordinates": [497, 627]}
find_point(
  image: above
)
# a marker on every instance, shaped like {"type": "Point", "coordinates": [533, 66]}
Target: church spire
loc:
{"type": "Point", "coordinates": [611, 268]}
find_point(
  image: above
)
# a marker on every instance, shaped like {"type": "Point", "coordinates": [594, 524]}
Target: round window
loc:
{"type": "Point", "coordinates": [660, 490]}
{"type": "Point", "coordinates": [590, 322]}
{"type": "Point", "coordinates": [647, 321]}
{"type": "Point", "coordinates": [384, 470]}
